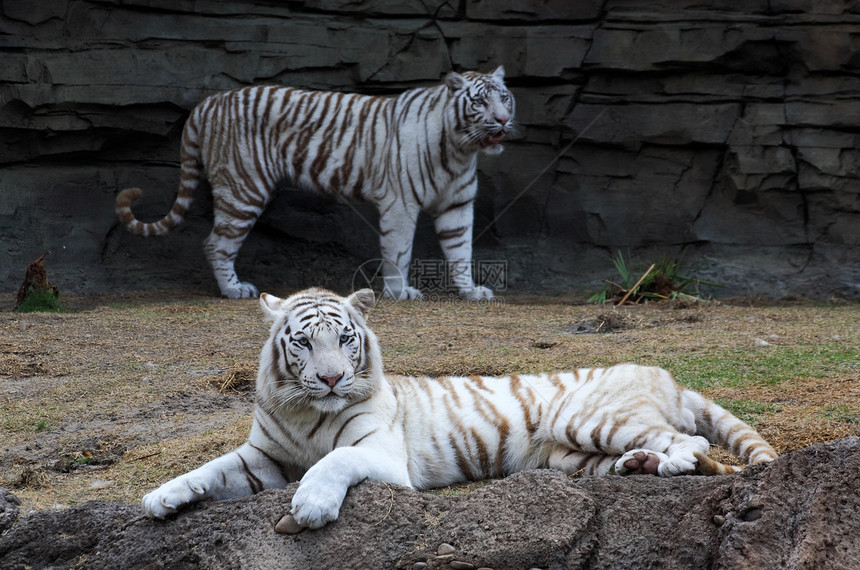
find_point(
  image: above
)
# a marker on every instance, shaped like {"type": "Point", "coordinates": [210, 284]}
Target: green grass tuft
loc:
{"type": "Point", "coordinates": [662, 280]}
{"type": "Point", "coordinates": [38, 301]}
{"type": "Point", "coordinates": [737, 368]}
{"type": "Point", "coordinates": [747, 410]}
{"type": "Point", "coordinates": [842, 413]}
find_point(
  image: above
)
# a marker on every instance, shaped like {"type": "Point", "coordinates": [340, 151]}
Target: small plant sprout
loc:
{"type": "Point", "coordinates": [661, 281]}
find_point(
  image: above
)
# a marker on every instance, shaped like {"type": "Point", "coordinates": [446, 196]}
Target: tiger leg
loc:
{"type": "Point", "coordinates": [633, 462]}
{"type": "Point", "coordinates": [222, 248]}
{"type": "Point", "coordinates": [639, 442]}
{"type": "Point", "coordinates": [233, 223]}
{"type": "Point", "coordinates": [245, 471]}
{"type": "Point", "coordinates": [454, 230]}
{"type": "Point", "coordinates": [574, 462]}
{"type": "Point", "coordinates": [396, 234]}
{"type": "Point", "coordinates": [321, 492]}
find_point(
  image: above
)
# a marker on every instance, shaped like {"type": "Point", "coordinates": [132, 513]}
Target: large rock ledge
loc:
{"type": "Point", "coordinates": [802, 511]}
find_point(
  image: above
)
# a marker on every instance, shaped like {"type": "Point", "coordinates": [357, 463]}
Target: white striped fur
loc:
{"type": "Point", "coordinates": [414, 152]}
{"type": "Point", "coordinates": [325, 413]}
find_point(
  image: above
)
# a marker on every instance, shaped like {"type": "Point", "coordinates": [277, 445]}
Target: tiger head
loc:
{"type": "Point", "coordinates": [320, 353]}
{"type": "Point", "coordinates": [480, 109]}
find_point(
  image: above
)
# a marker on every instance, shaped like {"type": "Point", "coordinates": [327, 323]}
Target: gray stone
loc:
{"type": "Point", "coordinates": [544, 52]}
{"type": "Point", "coordinates": [534, 519]}
{"type": "Point", "coordinates": [825, 113]}
{"type": "Point", "coordinates": [438, 8]}
{"type": "Point", "coordinates": [645, 47]}
{"type": "Point", "coordinates": [633, 124]}
{"type": "Point", "coordinates": [612, 207]}
{"type": "Point", "coordinates": [533, 11]}
{"type": "Point", "coordinates": [736, 216]}
{"type": "Point", "coordinates": [288, 525]}
{"type": "Point", "coordinates": [544, 106]}
{"type": "Point", "coordinates": [8, 509]}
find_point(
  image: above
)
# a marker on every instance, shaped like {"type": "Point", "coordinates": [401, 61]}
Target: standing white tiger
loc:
{"type": "Point", "coordinates": [325, 413]}
{"type": "Point", "coordinates": [414, 152]}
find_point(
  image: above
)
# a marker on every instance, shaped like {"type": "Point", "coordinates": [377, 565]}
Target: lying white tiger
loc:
{"type": "Point", "coordinates": [414, 152]}
{"type": "Point", "coordinates": [325, 410]}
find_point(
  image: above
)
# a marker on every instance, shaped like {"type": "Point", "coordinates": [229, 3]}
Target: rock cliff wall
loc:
{"type": "Point", "coordinates": [723, 131]}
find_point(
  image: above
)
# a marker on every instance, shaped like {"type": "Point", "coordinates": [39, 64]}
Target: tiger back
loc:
{"type": "Point", "coordinates": [326, 414]}
{"type": "Point", "coordinates": [411, 153]}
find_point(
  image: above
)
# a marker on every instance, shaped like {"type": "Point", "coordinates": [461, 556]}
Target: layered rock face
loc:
{"type": "Point", "coordinates": [723, 132]}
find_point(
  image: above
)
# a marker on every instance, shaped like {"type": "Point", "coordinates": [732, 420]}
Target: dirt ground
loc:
{"type": "Point", "coordinates": [118, 393]}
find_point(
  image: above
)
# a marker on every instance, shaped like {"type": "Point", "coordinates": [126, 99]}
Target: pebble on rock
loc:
{"type": "Point", "coordinates": [288, 525]}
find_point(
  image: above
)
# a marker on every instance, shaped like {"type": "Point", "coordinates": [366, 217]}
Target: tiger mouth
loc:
{"type": "Point", "coordinates": [492, 140]}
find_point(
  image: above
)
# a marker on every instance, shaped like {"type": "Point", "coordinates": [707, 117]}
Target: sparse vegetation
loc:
{"type": "Point", "coordinates": [40, 301]}
{"type": "Point", "coordinates": [37, 294]}
{"type": "Point", "coordinates": [740, 366]}
{"type": "Point", "coordinates": [661, 281]}
{"type": "Point", "coordinates": [842, 413]}
{"type": "Point", "coordinates": [749, 411]}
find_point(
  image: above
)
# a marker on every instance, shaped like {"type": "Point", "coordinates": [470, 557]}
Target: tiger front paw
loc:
{"type": "Point", "coordinates": [172, 496]}
{"type": "Point", "coordinates": [316, 504]}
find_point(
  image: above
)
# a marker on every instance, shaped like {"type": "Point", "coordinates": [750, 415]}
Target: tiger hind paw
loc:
{"type": "Point", "coordinates": [639, 462]}
{"type": "Point", "coordinates": [242, 290]}
{"type": "Point", "coordinates": [649, 462]}
{"type": "Point", "coordinates": [477, 293]}
{"type": "Point", "coordinates": [404, 294]}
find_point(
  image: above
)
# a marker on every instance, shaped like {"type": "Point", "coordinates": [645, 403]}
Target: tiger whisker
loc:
{"type": "Point", "coordinates": [291, 398]}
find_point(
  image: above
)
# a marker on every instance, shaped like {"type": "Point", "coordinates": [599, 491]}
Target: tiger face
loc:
{"type": "Point", "coordinates": [321, 350]}
{"type": "Point", "coordinates": [482, 108]}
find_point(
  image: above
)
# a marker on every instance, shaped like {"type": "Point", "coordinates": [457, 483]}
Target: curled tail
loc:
{"type": "Point", "coordinates": [719, 426]}
{"type": "Point", "coordinates": [188, 180]}
{"type": "Point", "coordinates": [707, 466]}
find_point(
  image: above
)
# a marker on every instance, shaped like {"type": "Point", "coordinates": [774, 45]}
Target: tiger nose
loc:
{"type": "Point", "coordinates": [330, 380]}
{"type": "Point", "coordinates": [503, 120]}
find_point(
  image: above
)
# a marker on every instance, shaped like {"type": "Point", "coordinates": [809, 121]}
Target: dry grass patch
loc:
{"type": "Point", "coordinates": [153, 385]}
{"type": "Point", "coordinates": [800, 412]}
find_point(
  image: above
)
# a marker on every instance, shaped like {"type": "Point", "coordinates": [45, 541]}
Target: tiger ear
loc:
{"type": "Point", "coordinates": [270, 304]}
{"type": "Point", "coordinates": [499, 73]}
{"type": "Point", "coordinates": [455, 81]}
{"type": "Point", "coordinates": [363, 300]}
